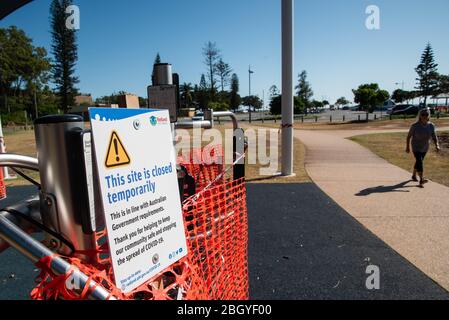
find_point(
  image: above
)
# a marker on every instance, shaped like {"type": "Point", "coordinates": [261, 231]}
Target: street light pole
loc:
{"type": "Point", "coordinates": [287, 87]}
{"type": "Point", "coordinates": [250, 72]}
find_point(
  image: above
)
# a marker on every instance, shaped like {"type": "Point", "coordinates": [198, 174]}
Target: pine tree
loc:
{"type": "Point", "coordinates": [427, 74]}
{"type": "Point", "coordinates": [304, 90]}
{"type": "Point", "coordinates": [65, 54]}
{"type": "Point", "coordinates": [224, 72]}
{"type": "Point", "coordinates": [202, 95]}
{"type": "Point", "coordinates": [157, 59]}
{"type": "Point", "coordinates": [211, 56]}
{"type": "Point", "coordinates": [235, 99]}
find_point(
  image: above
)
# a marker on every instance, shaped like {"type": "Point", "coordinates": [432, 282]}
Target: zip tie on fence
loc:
{"type": "Point", "coordinates": [216, 229]}
{"type": "Point", "coordinates": [285, 126]}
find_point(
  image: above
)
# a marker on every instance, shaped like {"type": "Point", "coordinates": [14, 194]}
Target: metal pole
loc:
{"type": "Point", "coordinates": [249, 73]}
{"type": "Point", "coordinates": [263, 106]}
{"type": "Point", "coordinates": [287, 87]}
{"type": "Point", "coordinates": [35, 251]}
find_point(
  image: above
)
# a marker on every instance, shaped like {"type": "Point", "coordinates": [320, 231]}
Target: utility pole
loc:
{"type": "Point", "coordinates": [263, 106]}
{"type": "Point", "coordinates": [287, 87]}
{"type": "Point", "coordinates": [250, 72]}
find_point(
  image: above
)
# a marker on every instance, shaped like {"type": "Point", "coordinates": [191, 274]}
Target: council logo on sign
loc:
{"type": "Point", "coordinates": [153, 121]}
{"type": "Point", "coordinates": [116, 155]}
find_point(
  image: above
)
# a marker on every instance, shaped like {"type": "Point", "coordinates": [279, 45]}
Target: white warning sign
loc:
{"type": "Point", "coordinates": [137, 175]}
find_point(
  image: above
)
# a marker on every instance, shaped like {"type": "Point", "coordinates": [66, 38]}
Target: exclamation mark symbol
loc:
{"type": "Point", "coordinates": [117, 158]}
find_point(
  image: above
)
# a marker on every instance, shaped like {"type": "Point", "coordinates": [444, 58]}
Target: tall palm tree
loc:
{"type": "Point", "coordinates": [186, 90]}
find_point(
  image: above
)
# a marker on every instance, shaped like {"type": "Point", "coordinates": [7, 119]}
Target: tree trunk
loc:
{"type": "Point", "coordinates": [35, 104]}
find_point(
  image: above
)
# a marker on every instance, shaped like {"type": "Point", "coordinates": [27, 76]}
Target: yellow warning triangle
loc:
{"type": "Point", "coordinates": [117, 155]}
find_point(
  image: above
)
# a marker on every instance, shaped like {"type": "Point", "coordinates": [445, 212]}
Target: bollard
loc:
{"type": "Point", "coordinates": [64, 194]}
{"type": "Point", "coordinates": [344, 118]}
{"type": "Point", "coordinates": [331, 119]}
{"type": "Point", "coordinates": [302, 119]}
{"type": "Point", "coordinates": [359, 119]}
{"type": "Point", "coordinates": [316, 119]}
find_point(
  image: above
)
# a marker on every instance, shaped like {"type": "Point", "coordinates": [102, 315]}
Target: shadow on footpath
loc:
{"type": "Point", "coordinates": [302, 245]}
{"type": "Point", "coordinates": [385, 189]}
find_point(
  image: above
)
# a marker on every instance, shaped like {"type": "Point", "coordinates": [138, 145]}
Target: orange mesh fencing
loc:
{"type": "Point", "coordinates": [2, 185]}
{"type": "Point", "coordinates": [216, 229]}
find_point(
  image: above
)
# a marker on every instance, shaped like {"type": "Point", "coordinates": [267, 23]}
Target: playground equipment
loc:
{"type": "Point", "coordinates": [73, 256]}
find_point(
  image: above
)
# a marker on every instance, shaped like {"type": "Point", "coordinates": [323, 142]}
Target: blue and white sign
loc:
{"type": "Point", "coordinates": [137, 174]}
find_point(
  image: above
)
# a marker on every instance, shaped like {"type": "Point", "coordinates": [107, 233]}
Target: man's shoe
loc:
{"type": "Point", "coordinates": [414, 178]}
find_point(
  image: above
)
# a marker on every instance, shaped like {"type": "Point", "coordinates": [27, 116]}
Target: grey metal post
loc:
{"type": "Point", "coordinates": [63, 203]}
{"type": "Point", "coordinates": [287, 87]}
{"type": "Point", "coordinates": [35, 251]}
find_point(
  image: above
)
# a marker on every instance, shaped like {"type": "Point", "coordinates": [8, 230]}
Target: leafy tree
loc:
{"type": "Point", "coordinates": [370, 96]}
{"type": "Point", "coordinates": [427, 74]}
{"type": "Point", "coordinates": [253, 102]}
{"type": "Point", "coordinates": [65, 53]}
{"type": "Point", "coordinates": [326, 103]}
{"type": "Point", "coordinates": [235, 99]}
{"type": "Point", "coordinates": [443, 84]}
{"type": "Point", "coordinates": [143, 102]}
{"type": "Point", "coordinates": [218, 106]}
{"type": "Point", "coordinates": [23, 70]}
{"type": "Point", "coordinates": [211, 56]}
{"type": "Point", "coordinates": [342, 101]}
{"type": "Point", "coordinates": [299, 105]}
{"type": "Point", "coordinates": [224, 72]}
{"type": "Point", "coordinates": [400, 96]}
{"type": "Point", "coordinates": [273, 91]}
{"type": "Point", "coordinates": [186, 91]}
{"type": "Point", "coordinates": [304, 90]}
{"type": "Point", "coordinates": [317, 104]}
{"type": "Point", "coordinates": [38, 75]}
{"type": "Point", "coordinates": [201, 93]}
{"type": "Point", "coordinates": [276, 105]}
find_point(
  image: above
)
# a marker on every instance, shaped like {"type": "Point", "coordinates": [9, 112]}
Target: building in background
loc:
{"type": "Point", "coordinates": [128, 101]}
{"type": "Point", "coordinates": [84, 100]}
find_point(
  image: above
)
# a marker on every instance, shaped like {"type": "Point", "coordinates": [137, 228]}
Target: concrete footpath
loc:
{"type": "Point", "coordinates": [412, 221]}
{"type": "Point", "coordinates": [302, 245]}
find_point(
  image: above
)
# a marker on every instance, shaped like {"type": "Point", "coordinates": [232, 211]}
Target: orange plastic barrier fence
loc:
{"type": "Point", "coordinates": [216, 228]}
{"type": "Point", "coordinates": [2, 185]}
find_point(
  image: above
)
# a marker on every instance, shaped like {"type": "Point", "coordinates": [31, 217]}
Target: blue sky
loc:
{"type": "Point", "coordinates": [118, 41]}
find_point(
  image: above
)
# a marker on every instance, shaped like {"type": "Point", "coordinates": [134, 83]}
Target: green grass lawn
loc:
{"type": "Point", "coordinates": [23, 143]}
{"type": "Point", "coordinates": [391, 147]}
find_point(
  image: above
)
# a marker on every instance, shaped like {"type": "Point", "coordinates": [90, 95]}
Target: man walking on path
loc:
{"type": "Point", "coordinates": [419, 135]}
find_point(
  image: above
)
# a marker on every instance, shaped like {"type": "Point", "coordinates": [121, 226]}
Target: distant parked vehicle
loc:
{"type": "Point", "coordinates": [199, 116]}
{"type": "Point", "coordinates": [404, 109]}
